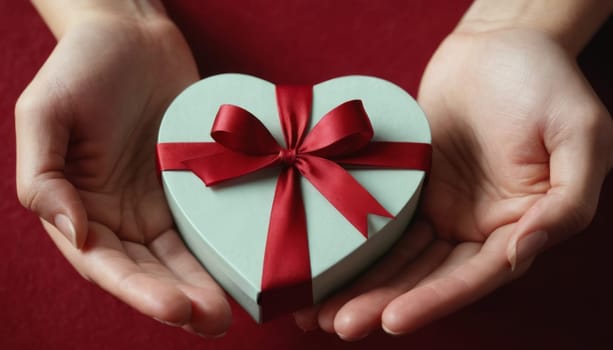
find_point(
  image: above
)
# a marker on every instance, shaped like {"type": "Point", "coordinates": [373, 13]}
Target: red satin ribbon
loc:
{"type": "Point", "coordinates": [244, 145]}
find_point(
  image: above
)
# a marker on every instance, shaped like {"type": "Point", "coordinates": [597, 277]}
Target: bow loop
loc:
{"type": "Point", "coordinates": [344, 130]}
{"type": "Point", "coordinates": [237, 129]}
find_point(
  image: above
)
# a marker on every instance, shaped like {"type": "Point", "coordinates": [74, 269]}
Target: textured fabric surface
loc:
{"type": "Point", "coordinates": [564, 302]}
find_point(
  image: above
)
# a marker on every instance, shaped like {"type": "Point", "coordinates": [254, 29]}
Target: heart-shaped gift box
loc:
{"type": "Point", "coordinates": [280, 224]}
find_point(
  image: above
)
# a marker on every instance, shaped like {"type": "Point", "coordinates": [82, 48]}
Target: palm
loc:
{"type": "Point", "coordinates": [112, 158]}
{"type": "Point", "coordinates": [490, 160]}
{"type": "Point", "coordinates": [111, 84]}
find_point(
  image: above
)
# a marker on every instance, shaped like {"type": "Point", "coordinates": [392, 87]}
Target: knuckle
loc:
{"type": "Point", "coordinates": [35, 102]}
{"type": "Point", "coordinates": [597, 125]}
{"type": "Point", "coordinates": [27, 194]}
{"type": "Point", "coordinates": [581, 215]}
{"type": "Point", "coordinates": [32, 196]}
{"type": "Point", "coordinates": [26, 105]}
{"type": "Point", "coordinates": [596, 121]}
{"type": "Point", "coordinates": [607, 139]}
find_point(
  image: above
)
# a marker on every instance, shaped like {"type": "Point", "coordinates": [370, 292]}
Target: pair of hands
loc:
{"type": "Point", "coordinates": [521, 148]}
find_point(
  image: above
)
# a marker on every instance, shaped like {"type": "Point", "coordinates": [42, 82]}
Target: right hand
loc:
{"type": "Point", "coordinates": [521, 147]}
{"type": "Point", "coordinates": [86, 132]}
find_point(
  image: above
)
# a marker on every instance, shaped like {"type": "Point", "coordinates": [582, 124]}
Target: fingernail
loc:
{"type": "Point", "coordinates": [307, 326]}
{"type": "Point", "coordinates": [346, 338]}
{"type": "Point", "coordinates": [193, 331]}
{"type": "Point", "coordinates": [527, 247]}
{"type": "Point", "coordinates": [306, 329]}
{"type": "Point", "coordinates": [216, 336]}
{"type": "Point", "coordinates": [207, 336]}
{"type": "Point", "coordinates": [65, 226]}
{"type": "Point", "coordinates": [389, 331]}
{"type": "Point", "coordinates": [167, 323]}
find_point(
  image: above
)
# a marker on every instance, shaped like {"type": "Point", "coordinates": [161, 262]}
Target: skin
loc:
{"type": "Point", "coordinates": [86, 129]}
{"type": "Point", "coordinates": [521, 146]}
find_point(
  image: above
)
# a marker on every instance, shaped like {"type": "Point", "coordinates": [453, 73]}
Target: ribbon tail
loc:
{"type": "Point", "coordinates": [286, 277]}
{"type": "Point", "coordinates": [342, 191]}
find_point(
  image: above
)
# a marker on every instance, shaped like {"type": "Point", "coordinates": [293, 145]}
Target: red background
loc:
{"type": "Point", "coordinates": [564, 302]}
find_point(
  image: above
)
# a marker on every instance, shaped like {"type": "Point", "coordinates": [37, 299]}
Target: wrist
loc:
{"type": "Point", "coordinates": [571, 23]}
{"type": "Point", "coordinates": [61, 15]}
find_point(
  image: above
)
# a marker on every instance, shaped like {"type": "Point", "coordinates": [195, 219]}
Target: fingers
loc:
{"type": "Point", "coordinates": [306, 319]}
{"type": "Point", "coordinates": [411, 245]}
{"type": "Point", "coordinates": [457, 282]}
{"type": "Point", "coordinates": [361, 315]}
{"type": "Point", "coordinates": [579, 162]}
{"type": "Point", "coordinates": [426, 287]}
{"type": "Point", "coordinates": [105, 261]}
{"type": "Point", "coordinates": [135, 275]}
{"type": "Point", "coordinates": [42, 141]}
{"type": "Point", "coordinates": [211, 313]}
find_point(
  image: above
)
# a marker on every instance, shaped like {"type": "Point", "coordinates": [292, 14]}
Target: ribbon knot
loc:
{"type": "Point", "coordinates": [243, 145]}
{"type": "Point", "coordinates": [287, 156]}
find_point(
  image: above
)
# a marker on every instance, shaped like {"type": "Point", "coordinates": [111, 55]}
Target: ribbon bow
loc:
{"type": "Point", "coordinates": [243, 145]}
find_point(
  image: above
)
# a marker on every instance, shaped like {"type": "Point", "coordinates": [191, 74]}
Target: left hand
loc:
{"type": "Point", "coordinates": [521, 148]}
{"type": "Point", "coordinates": [86, 132]}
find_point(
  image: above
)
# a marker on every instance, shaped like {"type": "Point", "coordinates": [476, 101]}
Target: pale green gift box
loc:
{"type": "Point", "coordinates": [225, 226]}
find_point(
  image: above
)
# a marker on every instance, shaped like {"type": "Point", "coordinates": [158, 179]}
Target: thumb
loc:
{"type": "Point", "coordinates": [579, 162]}
{"type": "Point", "coordinates": [42, 136]}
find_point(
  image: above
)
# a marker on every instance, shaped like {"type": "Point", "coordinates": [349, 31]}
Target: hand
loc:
{"type": "Point", "coordinates": [521, 147]}
{"type": "Point", "coordinates": [86, 133]}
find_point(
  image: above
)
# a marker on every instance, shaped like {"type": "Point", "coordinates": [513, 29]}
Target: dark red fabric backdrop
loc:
{"type": "Point", "coordinates": [564, 302]}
